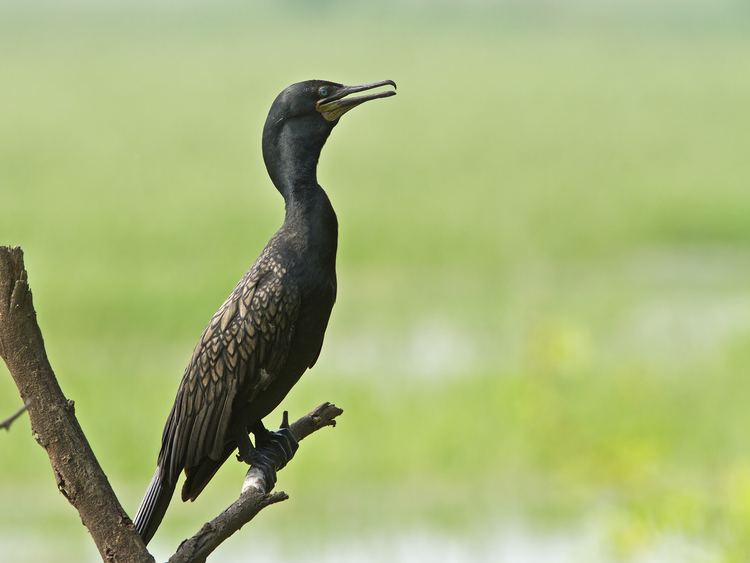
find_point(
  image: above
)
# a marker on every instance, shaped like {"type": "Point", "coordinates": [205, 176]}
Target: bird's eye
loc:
{"type": "Point", "coordinates": [323, 91]}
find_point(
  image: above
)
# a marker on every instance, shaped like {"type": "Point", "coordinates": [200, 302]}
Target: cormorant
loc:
{"type": "Point", "coordinates": [270, 329]}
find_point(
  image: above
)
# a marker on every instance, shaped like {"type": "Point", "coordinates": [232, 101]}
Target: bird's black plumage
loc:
{"type": "Point", "coordinates": [270, 329]}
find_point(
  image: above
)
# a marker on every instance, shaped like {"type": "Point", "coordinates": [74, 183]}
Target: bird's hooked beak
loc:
{"type": "Point", "coordinates": [336, 105]}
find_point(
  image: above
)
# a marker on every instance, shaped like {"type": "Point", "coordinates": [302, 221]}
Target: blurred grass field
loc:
{"type": "Point", "coordinates": [544, 310]}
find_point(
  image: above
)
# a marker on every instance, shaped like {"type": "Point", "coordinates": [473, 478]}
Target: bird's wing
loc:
{"type": "Point", "coordinates": [239, 354]}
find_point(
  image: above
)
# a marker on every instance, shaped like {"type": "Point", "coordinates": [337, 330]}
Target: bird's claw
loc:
{"type": "Point", "coordinates": [245, 449]}
{"type": "Point", "coordinates": [272, 451]}
{"type": "Point", "coordinates": [243, 459]}
{"type": "Point", "coordinates": [266, 465]}
{"type": "Point", "coordinates": [280, 446]}
{"type": "Point", "coordinates": [287, 441]}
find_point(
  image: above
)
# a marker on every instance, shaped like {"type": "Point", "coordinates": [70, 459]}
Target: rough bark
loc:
{"type": "Point", "coordinates": [54, 425]}
{"type": "Point", "coordinates": [77, 472]}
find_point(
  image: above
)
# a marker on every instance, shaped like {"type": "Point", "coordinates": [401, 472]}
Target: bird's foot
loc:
{"type": "Point", "coordinates": [264, 463]}
{"type": "Point", "coordinates": [258, 459]}
{"type": "Point", "coordinates": [273, 450]}
{"type": "Point", "coordinates": [245, 449]}
{"type": "Point", "coordinates": [280, 445]}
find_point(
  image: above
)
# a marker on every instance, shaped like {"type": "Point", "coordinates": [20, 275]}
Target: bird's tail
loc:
{"type": "Point", "coordinates": [154, 505]}
{"type": "Point", "coordinates": [198, 476]}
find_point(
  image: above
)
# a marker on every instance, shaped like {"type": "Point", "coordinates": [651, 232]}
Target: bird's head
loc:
{"type": "Point", "coordinates": [304, 114]}
{"type": "Point", "coordinates": [315, 99]}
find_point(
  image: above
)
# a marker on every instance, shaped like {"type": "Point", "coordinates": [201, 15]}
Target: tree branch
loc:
{"type": "Point", "coordinates": [8, 422]}
{"type": "Point", "coordinates": [54, 425]}
{"type": "Point", "coordinates": [253, 498]}
{"type": "Point", "coordinates": [78, 474]}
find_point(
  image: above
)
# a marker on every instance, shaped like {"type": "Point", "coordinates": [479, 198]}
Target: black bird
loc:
{"type": "Point", "coordinates": [270, 329]}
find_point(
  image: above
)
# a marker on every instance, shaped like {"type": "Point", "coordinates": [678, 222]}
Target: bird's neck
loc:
{"type": "Point", "coordinates": [295, 176]}
{"type": "Point", "coordinates": [292, 161]}
{"type": "Point", "coordinates": [309, 207]}
{"type": "Point", "coordinates": [311, 219]}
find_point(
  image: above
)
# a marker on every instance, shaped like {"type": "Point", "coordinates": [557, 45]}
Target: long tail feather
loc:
{"type": "Point", "coordinates": [154, 505]}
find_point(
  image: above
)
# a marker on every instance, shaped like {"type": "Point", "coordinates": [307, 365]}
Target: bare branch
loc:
{"type": "Point", "coordinates": [254, 496]}
{"type": "Point", "coordinates": [77, 472]}
{"type": "Point", "coordinates": [8, 422]}
{"type": "Point", "coordinates": [54, 425]}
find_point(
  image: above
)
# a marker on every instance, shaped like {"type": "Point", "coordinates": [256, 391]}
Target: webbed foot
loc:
{"type": "Point", "coordinates": [273, 450]}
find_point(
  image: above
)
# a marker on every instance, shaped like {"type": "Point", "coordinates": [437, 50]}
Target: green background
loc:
{"type": "Point", "coordinates": [542, 335]}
